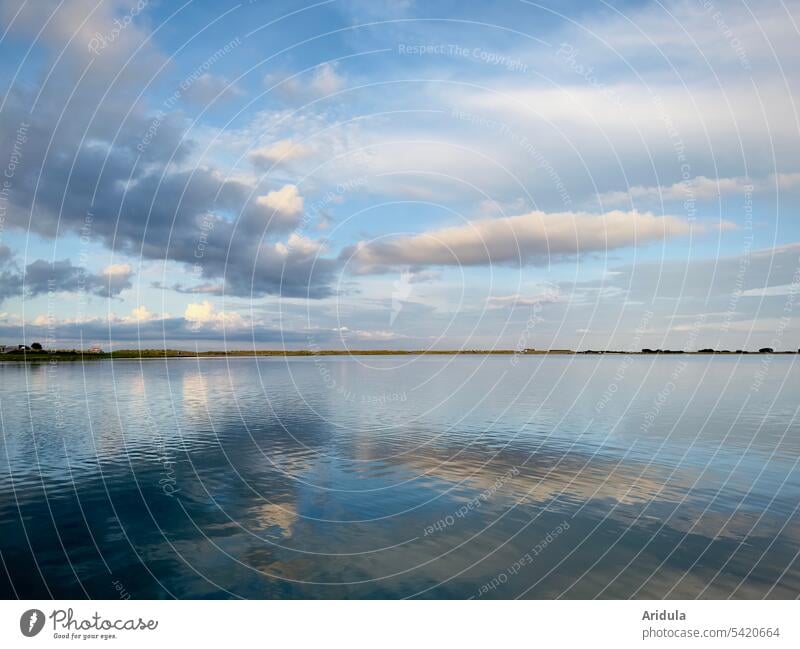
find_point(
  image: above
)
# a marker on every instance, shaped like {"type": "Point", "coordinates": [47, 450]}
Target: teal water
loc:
{"type": "Point", "coordinates": [393, 477]}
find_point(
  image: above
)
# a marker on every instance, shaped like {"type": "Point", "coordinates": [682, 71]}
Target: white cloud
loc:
{"type": "Point", "coordinates": [324, 80]}
{"type": "Point", "coordinates": [301, 245]}
{"type": "Point", "coordinates": [327, 80]}
{"type": "Point", "coordinates": [211, 87]}
{"type": "Point", "coordinates": [285, 201]}
{"type": "Point", "coordinates": [118, 270]}
{"type": "Point", "coordinates": [772, 291]}
{"type": "Point", "coordinates": [200, 313]}
{"type": "Point", "coordinates": [142, 313]}
{"type": "Point", "coordinates": [701, 188]}
{"type": "Point", "coordinates": [504, 301]}
{"type": "Point", "coordinates": [536, 237]}
{"type": "Point", "coordinates": [43, 321]}
{"type": "Point", "coordinates": [376, 334]}
{"type": "Point", "coordinates": [204, 314]}
{"type": "Point", "coordinates": [277, 152]}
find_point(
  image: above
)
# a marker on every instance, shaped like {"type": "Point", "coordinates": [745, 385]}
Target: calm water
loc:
{"type": "Point", "coordinates": [457, 477]}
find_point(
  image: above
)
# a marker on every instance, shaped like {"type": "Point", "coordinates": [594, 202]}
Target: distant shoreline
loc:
{"type": "Point", "coordinates": [153, 354]}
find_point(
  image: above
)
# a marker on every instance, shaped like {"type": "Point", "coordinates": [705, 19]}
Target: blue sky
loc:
{"type": "Point", "coordinates": [399, 174]}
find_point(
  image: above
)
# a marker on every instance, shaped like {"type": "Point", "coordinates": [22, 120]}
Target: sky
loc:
{"type": "Point", "coordinates": [398, 174]}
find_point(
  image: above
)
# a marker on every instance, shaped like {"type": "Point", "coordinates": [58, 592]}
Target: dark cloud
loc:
{"type": "Point", "coordinates": [41, 277]}
{"type": "Point", "coordinates": [199, 289]}
{"type": "Point", "coordinates": [10, 277]}
{"type": "Point", "coordinates": [94, 159]}
{"type": "Point", "coordinates": [61, 276]}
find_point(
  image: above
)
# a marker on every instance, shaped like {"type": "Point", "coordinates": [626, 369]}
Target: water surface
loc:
{"type": "Point", "coordinates": [391, 477]}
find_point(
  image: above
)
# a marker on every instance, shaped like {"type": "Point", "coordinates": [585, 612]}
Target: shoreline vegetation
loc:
{"type": "Point", "coordinates": [43, 355]}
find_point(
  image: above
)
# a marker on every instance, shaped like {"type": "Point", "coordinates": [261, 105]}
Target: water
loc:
{"type": "Point", "coordinates": [390, 477]}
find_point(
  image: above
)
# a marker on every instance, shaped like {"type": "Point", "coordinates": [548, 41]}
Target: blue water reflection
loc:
{"type": "Point", "coordinates": [371, 477]}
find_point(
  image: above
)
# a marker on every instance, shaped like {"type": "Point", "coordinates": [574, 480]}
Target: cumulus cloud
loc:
{"type": "Point", "coordinates": [533, 238]}
{"type": "Point", "coordinates": [113, 280]}
{"type": "Point", "coordinates": [302, 245]}
{"type": "Point", "coordinates": [142, 314]}
{"type": "Point", "coordinates": [286, 202]}
{"type": "Point", "coordinates": [206, 314]}
{"type": "Point", "coordinates": [118, 173]}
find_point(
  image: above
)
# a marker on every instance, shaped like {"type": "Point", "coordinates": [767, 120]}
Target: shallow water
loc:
{"type": "Point", "coordinates": [439, 477]}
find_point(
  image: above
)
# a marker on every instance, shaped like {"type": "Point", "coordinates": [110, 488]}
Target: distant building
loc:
{"type": "Point", "coordinates": [13, 349]}
{"type": "Point", "coordinates": [95, 349]}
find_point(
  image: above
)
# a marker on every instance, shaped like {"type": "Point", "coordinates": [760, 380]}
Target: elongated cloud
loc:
{"type": "Point", "coordinates": [533, 238]}
{"type": "Point", "coordinates": [702, 188]}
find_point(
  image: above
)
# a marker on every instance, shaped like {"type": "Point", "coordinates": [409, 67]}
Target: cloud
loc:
{"type": "Point", "coordinates": [210, 87]}
{"type": "Point", "coordinates": [278, 152]}
{"type": "Point", "coordinates": [113, 280]}
{"type": "Point", "coordinates": [200, 313]}
{"type": "Point", "coordinates": [86, 30]}
{"type": "Point", "coordinates": [110, 167]}
{"type": "Point", "coordinates": [758, 273]}
{"type": "Point", "coordinates": [368, 335]}
{"type": "Point", "coordinates": [286, 201]}
{"type": "Point", "coordinates": [142, 314]}
{"type": "Point", "coordinates": [326, 80]}
{"type": "Point", "coordinates": [701, 188]}
{"type": "Point", "coordinates": [41, 277]}
{"type": "Point", "coordinates": [535, 238]}
{"type": "Point", "coordinates": [303, 245]}
{"type": "Point", "coordinates": [322, 81]}
{"type": "Point", "coordinates": [153, 331]}
{"type": "Point", "coordinates": [510, 301]}
{"type": "Point", "coordinates": [207, 289]}
{"type": "Point", "coordinates": [10, 277]}
{"type": "Point", "coordinates": [205, 314]}
{"type": "Point", "coordinates": [727, 302]}
{"type": "Point", "coordinates": [771, 291]}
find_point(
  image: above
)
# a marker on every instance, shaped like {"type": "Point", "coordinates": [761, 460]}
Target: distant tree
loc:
{"type": "Point", "coordinates": [37, 347]}
{"type": "Point", "coordinates": [766, 350]}
{"type": "Point", "coordinates": [707, 351]}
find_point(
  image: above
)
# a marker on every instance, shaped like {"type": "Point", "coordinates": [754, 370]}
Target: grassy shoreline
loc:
{"type": "Point", "coordinates": [152, 354]}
